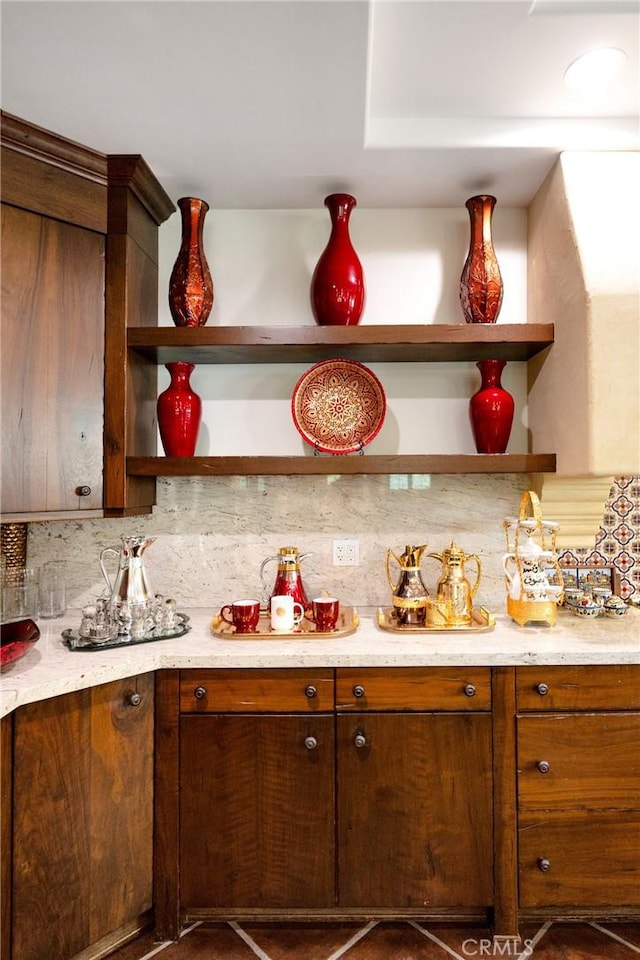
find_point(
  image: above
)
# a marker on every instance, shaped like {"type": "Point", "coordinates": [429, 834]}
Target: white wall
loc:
{"type": "Point", "coordinates": [261, 262]}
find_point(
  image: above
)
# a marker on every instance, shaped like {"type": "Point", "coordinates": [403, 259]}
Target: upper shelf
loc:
{"type": "Point", "coordinates": [306, 344]}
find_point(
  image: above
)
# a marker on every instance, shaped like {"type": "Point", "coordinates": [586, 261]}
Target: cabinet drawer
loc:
{"type": "Point", "coordinates": [590, 861]}
{"type": "Point", "coordinates": [579, 762]}
{"type": "Point", "coordinates": [414, 688]}
{"type": "Point", "coordinates": [578, 688]}
{"type": "Point", "coordinates": [256, 691]}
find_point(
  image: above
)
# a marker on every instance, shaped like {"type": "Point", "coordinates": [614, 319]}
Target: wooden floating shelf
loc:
{"type": "Point", "coordinates": [307, 344]}
{"type": "Point", "coordinates": [331, 465]}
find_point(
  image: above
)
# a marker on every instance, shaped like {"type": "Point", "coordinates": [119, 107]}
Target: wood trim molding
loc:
{"type": "Point", "coordinates": [40, 144]}
{"type": "Point", "coordinates": [131, 171]}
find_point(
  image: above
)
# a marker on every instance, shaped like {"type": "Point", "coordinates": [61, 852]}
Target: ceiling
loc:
{"type": "Point", "coordinates": [275, 103]}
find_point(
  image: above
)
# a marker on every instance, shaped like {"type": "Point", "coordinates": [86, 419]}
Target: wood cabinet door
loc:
{"type": "Point", "coordinates": [579, 810]}
{"type": "Point", "coordinates": [52, 365]}
{"type": "Point", "coordinates": [256, 811]}
{"type": "Point", "coordinates": [82, 818]}
{"type": "Point", "coordinates": [414, 810]}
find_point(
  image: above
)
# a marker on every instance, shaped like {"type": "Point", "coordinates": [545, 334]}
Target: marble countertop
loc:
{"type": "Point", "coordinates": [50, 668]}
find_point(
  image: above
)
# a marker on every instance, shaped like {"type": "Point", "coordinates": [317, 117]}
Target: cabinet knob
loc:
{"type": "Point", "coordinates": [543, 766]}
{"type": "Point", "coordinates": [310, 743]}
{"type": "Point", "coordinates": [134, 699]}
{"type": "Point", "coordinates": [83, 491]}
{"type": "Point", "coordinates": [469, 690]}
{"type": "Point", "coordinates": [311, 691]}
{"type": "Point", "coordinates": [543, 689]}
{"type": "Point", "coordinates": [360, 740]}
{"type": "Point", "coordinates": [200, 693]}
{"type": "Point", "coordinates": [544, 864]}
{"type": "Point", "coordinates": [358, 691]}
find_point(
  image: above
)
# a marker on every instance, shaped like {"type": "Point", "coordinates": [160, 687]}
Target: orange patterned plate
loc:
{"type": "Point", "coordinates": [338, 406]}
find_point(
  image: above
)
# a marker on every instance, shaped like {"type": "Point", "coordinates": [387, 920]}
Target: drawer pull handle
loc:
{"type": "Point", "coordinates": [311, 691]}
{"type": "Point", "coordinates": [200, 693]}
{"type": "Point", "coordinates": [310, 743]}
{"type": "Point", "coordinates": [360, 740]}
{"type": "Point", "coordinates": [544, 865]}
{"type": "Point", "coordinates": [358, 691]}
{"type": "Point", "coordinates": [543, 766]}
{"type": "Point", "coordinates": [134, 699]}
{"type": "Point", "coordinates": [83, 491]}
{"type": "Point", "coordinates": [542, 689]}
{"type": "Point", "coordinates": [469, 690]}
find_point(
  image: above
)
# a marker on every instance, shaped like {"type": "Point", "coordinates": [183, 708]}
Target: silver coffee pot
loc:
{"type": "Point", "coordinates": [131, 583]}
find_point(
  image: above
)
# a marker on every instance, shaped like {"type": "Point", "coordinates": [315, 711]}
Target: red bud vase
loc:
{"type": "Point", "coordinates": [481, 283]}
{"type": "Point", "coordinates": [337, 285]}
{"type": "Point", "coordinates": [179, 412]}
{"type": "Point", "coordinates": [491, 409]}
{"type": "Point", "coordinates": [190, 284]}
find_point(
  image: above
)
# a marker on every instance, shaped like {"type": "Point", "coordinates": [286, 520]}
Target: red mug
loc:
{"type": "Point", "coordinates": [242, 614]}
{"type": "Point", "coordinates": [324, 613]}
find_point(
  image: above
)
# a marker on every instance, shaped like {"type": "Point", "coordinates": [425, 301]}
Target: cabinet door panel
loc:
{"type": "Point", "coordinates": [52, 363]}
{"type": "Point", "coordinates": [589, 762]}
{"type": "Point", "coordinates": [414, 811]}
{"type": "Point", "coordinates": [51, 816]}
{"type": "Point", "coordinates": [122, 802]}
{"type": "Point", "coordinates": [593, 860]}
{"type": "Point", "coordinates": [256, 811]}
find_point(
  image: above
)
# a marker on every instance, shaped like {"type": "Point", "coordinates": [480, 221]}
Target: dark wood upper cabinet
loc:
{"type": "Point", "coordinates": [79, 265]}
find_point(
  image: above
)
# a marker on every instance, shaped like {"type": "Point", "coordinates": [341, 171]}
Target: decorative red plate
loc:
{"type": "Point", "coordinates": [338, 406]}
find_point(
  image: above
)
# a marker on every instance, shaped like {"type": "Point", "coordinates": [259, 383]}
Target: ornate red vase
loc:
{"type": "Point", "coordinates": [337, 285]}
{"type": "Point", "coordinates": [481, 286]}
{"type": "Point", "coordinates": [491, 409]}
{"type": "Point", "coordinates": [190, 284]}
{"type": "Point", "coordinates": [179, 412]}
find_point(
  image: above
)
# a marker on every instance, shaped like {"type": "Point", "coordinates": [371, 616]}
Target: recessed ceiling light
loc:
{"type": "Point", "coordinates": [595, 69]}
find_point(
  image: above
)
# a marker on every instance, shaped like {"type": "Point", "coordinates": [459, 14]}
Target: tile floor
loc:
{"type": "Point", "coordinates": [384, 940]}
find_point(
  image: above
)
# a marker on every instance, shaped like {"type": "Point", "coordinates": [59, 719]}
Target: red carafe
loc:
{"type": "Point", "coordinates": [288, 577]}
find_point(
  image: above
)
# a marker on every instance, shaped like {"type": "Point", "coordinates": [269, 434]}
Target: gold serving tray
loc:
{"type": "Point", "coordinates": [347, 624]}
{"type": "Point", "coordinates": [481, 622]}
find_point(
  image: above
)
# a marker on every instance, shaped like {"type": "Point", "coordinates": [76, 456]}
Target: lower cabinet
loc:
{"type": "Point", "coordinates": [289, 800]}
{"type": "Point", "coordinates": [578, 736]}
{"type": "Point", "coordinates": [82, 819]}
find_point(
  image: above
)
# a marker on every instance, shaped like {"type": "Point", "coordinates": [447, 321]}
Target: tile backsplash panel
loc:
{"type": "Point", "coordinates": [213, 533]}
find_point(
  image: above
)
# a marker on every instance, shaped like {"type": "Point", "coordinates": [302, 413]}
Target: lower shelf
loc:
{"type": "Point", "coordinates": [351, 464]}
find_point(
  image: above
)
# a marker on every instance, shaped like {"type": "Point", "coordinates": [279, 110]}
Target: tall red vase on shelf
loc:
{"type": "Point", "coordinates": [337, 285]}
{"type": "Point", "coordinates": [491, 409]}
{"type": "Point", "coordinates": [190, 284]}
{"type": "Point", "coordinates": [179, 412]}
{"type": "Point", "coordinates": [481, 287]}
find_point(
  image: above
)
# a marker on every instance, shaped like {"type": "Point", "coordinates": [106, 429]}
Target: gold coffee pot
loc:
{"type": "Point", "coordinates": [410, 596]}
{"type": "Point", "coordinates": [454, 594]}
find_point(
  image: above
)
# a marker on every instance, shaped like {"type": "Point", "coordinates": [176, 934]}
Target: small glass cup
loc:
{"type": "Point", "coordinates": [52, 597]}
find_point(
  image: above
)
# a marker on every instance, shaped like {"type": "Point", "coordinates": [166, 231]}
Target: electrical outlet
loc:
{"type": "Point", "coordinates": [346, 553]}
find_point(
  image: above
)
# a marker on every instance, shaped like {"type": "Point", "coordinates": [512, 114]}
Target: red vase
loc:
{"type": "Point", "coordinates": [337, 285]}
{"type": "Point", "coordinates": [481, 286]}
{"type": "Point", "coordinates": [491, 409]}
{"type": "Point", "coordinates": [190, 284]}
{"type": "Point", "coordinates": [179, 412]}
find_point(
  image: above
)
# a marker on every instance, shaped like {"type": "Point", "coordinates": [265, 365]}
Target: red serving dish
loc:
{"type": "Point", "coordinates": [16, 639]}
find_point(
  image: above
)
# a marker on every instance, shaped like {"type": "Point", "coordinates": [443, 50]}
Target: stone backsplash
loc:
{"type": "Point", "coordinates": [213, 533]}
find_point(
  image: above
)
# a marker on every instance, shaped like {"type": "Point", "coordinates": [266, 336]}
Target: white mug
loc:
{"type": "Point", "coordinates": [286, 613]}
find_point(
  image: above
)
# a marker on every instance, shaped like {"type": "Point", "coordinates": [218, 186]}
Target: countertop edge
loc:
{"type": "Point", "coordinates": [50, 669]}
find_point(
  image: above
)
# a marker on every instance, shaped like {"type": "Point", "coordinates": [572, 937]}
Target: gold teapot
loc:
{"type": "Point", "coordinates": [410, 596]}
{"type": "Point", "coordinates": [454, 593]}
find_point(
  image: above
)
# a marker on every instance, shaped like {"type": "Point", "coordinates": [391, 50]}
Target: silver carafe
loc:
{"type": "Point", "coordinates": [131, 583]}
